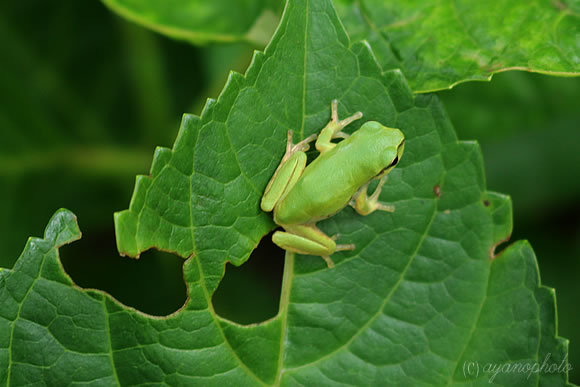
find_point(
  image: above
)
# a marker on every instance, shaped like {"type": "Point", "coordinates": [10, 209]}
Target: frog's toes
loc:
{"type": "Point", "coordinates": [328, 261]}
{"type": "Point", "coordinates": [334, 110]}
{"type": "Point", "coordinates": [301, 146]}
{"type": "Point", "coordinates": [347, 247]}
{"type": "Point", "coordinates": [341, 123]}
{"type": "Point", "coordinates": [344, 123]}
{"type": "Point", "coordinates": [385, 207]}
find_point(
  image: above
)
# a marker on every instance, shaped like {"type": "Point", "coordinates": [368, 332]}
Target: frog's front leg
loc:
{"type": "Point", "coordinates": [308, 239]}
{"type": "Point", "coordinates": [333, 129]}
{"type": "Point", "coordinates": [287, 173]}
{"type": "Point", "coordinates": [364, 204]}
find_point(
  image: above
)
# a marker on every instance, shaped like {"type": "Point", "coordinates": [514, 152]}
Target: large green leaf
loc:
{"type": "Point", "coordinates": [200, 21]}
{"type": "Point", "coordinates": [421, 297]}
{"type": "Point", "coordinates": [438, 44]}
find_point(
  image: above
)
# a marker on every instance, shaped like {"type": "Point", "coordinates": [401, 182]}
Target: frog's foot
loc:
{"type": "Point", "coordinates": [334, 128]}
{"type": "Point", "coordinates": [348, 247]}
{"type": "Point", "coordinates": [341, 135]}
{"type": "Point", "coordinates": [301, 146]}
{"type": "Point", "coordinates": [341, 247]}
{"type": "Point", "coordinates": [343, 123]}
{"type": "Point", "coordinates": [328, 261]}
{"type": "Point", "coordinates": [365, 205]}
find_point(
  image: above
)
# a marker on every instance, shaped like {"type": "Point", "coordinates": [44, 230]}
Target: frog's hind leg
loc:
{"type": "Point", "coordinates": [308, 239]}
{"type": "Point", "coordinates": [287, 173]}
{"type": "Point", "coordinates": [304, 239]}
{"type": "Point", "coordinates": [365, 205]}
{"type": "Point", "coordinates": [285, 177]}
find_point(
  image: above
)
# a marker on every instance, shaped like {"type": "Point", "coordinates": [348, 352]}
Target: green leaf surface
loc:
{"type": "Point", "coordinates": [200, 21]}
{"type": "Point", "coordinates": [417, 300]}
{"type": "Point", "coordinates": [438, 44]}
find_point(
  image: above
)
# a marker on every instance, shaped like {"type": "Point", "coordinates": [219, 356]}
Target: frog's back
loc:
{"type": "Point", "coordinates": [330, 181]}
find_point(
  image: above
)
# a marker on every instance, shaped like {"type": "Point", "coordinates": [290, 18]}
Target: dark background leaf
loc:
{"type": "Point", "coordinates": [200, 21]}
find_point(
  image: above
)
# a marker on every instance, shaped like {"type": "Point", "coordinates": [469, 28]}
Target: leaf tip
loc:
{"type": "Point", "coordinates": [207, 107]}
{"type": "Point", "coordinates": [62, 228]}
{"type": "Point", "coordinates": [161, 158]}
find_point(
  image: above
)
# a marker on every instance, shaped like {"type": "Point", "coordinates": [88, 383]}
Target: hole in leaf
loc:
{"type": "Point", "coordinates": [251, 293]}
{"type": "Point", "coordinates": [499, 247]}
{"type": "Point", "coordinates": [152, 284]}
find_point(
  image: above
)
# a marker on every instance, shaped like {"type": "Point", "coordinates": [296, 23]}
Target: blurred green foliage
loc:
{"type": "Point", "coordinates": [200, 21]}
{"type": "Point", "coordinates": [85, 97]}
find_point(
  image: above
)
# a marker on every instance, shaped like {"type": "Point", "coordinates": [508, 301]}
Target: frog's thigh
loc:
{"type": "Point", "coordinates": [283, 180]}
{"type": "Point", "coordinates": [304, 240]}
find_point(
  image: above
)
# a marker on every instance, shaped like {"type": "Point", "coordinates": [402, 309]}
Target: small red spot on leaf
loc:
{"type": "Point", "coordinates": [437, 190]}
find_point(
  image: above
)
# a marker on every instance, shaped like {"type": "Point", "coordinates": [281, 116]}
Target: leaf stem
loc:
{"type": "Point", "coordinates": [283, 312]}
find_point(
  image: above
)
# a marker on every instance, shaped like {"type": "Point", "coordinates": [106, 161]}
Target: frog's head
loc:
{"type": "Point", "coordinates": [393, 145]}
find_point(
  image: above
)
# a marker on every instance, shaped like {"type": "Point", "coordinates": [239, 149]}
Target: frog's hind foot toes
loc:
{"type": "Point", "coordinates": [334, 110]}
{"type": "Point", "coordinates": [328, 261]}
{"type": "Point", "coordinates": [347, 247]}
{"type": "Point", "coordinates": [385, 207]}
{"type": "Point", "coordinates": [301, 146]}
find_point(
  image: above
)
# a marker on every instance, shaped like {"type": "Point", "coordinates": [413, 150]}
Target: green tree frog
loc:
{"type": "Point", "coordinates": [302, 195]}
